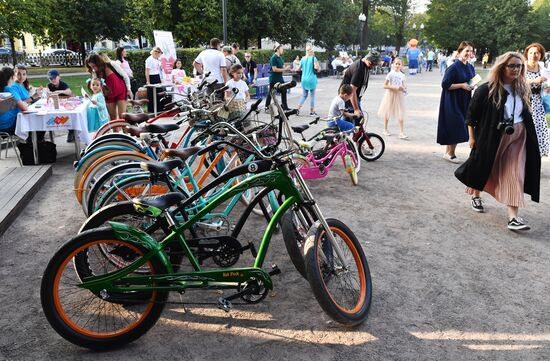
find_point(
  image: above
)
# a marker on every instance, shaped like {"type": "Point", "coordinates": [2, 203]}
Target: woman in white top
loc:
{"type": "Point", "coordinates": [178, 73]}
{"type": "Point", "coordinates": [125, 65]}
{"type": "Point", "coordinates": [153, 70]}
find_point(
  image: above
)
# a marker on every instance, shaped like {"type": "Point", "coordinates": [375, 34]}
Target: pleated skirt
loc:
{"type": "Point", "coordinates": [507, 177]}
{"type": "Point", "coordinates": [392, 105]}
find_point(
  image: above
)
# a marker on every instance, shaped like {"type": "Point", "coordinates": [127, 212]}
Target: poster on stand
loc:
{"type": "Point", "coordinates": [165, 41]}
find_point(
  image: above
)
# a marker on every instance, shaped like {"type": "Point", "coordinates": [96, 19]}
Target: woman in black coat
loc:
{"type": "Point", "coordinates": [504, 160]}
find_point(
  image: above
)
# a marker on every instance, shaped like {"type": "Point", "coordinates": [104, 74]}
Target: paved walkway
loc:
{"type": "Point", "coordinates": [449, 284]}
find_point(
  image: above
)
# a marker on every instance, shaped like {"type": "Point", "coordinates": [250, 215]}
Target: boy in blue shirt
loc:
{"type": "Point", "coordinates": [338, 109]}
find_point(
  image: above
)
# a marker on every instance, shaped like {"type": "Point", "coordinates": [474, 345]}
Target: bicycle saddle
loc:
{"type": "Point", "coordinates": [182, 154]}
{"type": "Point", "coordinates": [161, 128]}
{"type": "Point", "coordinates": [161, 167]}
{"type": "Point", "coordinates": [300, 128]}
{"type": "Point", "coordinates": [161, 202]}
{"type": "Point", "coordinates": [138, 102]}
{"type": "Point", "coordinates": [150, 128]}
{"type": "Point", "coordinates": [134, 131]}
{"type": "Point", "coordinates": [135, 118]}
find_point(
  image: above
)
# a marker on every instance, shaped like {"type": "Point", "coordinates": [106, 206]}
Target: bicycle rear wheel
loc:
{"type": "Point", "coordinates": [369, 153]}
{"type": "Point", "coordinates": [342, 287]}
{"type": "Point", "coordinates": [101, 320]}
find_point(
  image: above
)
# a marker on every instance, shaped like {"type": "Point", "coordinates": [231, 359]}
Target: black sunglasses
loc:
{"type": "Point", "coordinates": [514, 66]}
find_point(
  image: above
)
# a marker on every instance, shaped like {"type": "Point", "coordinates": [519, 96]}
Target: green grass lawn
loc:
{"type": "Point", "coordinates": [74, 82]}
{"type": "Point", "coordinates": [31, 70]}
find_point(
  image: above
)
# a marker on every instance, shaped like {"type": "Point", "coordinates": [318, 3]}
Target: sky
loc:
{"type": "Point", "coordinates": [420, 6]}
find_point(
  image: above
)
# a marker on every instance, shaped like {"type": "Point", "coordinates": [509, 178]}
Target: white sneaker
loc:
{"type": "Point", "coordinates": [386, 133]}
{"type": "Point", "coordinates": [453, 159]}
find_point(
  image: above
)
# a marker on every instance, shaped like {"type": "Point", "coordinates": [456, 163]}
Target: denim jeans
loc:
{"type": "Point", "coordinates": [429, 65]}
{"type": "Point", "coordinates": [443, 67]}
{"type": "Point", "coordinates": [343, 124]}
{"type": "Point", "coordinates": [311, 97]}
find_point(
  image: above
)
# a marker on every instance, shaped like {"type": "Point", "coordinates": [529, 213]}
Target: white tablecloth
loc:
{"type": "Point", "coordinates": [39, 119]}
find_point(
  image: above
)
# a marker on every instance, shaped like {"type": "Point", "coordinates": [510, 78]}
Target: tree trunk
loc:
{"type": "Point", "coordinates": [365, 30]}
{"type": "Point", "coordinates": [140, 41]}
{"type": "Point", "coordinates": [259, 41]}
{"type": "Point", "coordinates": [13, 54]}
{"type": "Point", "coordinates": [82, 53]}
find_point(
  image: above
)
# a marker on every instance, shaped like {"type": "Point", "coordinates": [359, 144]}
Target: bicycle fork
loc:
{"type": "Point", "coordinates": [320, 217]}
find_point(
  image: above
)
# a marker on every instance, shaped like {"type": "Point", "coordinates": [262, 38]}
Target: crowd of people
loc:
{"type": "Point", "coordinates": [503, 120]}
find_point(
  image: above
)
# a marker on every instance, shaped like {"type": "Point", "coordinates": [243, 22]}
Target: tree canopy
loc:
{"type": "Point", "coordinates": [496, 25]}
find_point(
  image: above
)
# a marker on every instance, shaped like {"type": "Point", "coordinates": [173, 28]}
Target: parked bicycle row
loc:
{"type": "Point", "coordinates": [163, 199]}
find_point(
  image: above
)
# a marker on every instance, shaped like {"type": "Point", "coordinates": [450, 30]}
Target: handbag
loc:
{"type": "Point", "coordinates": [47, 153]}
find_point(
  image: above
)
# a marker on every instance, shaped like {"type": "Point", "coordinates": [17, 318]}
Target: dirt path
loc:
{"type": "Point", "coordinates": [449, 284]}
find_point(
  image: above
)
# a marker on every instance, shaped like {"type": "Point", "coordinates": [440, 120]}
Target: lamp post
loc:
{"type": "Point", "coordinates": [362, 18]}
{"type": "Point", "coordinates": [224, 19]}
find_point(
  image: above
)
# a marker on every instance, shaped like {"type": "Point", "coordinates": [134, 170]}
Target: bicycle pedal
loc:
{"type": "Point", "coordinates": [274, 270]}
{"type": "Point", "coordinates": [224, 304]}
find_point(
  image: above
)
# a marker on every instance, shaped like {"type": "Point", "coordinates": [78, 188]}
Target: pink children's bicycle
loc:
{"type": "Point", "coordinates": [314, 161]}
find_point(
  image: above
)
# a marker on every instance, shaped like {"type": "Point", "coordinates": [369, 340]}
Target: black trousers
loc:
{"type": "Point", "coordinates": [283, 98]}
{"type": "Point", "coordinates": [153, 79]}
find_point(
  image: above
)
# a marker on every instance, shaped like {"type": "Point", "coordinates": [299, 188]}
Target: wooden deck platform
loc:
{"type": "Point", "coordinates": [17, 187]}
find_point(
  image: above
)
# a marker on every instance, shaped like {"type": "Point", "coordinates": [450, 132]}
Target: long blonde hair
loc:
{"type": "Point", "coordinates": [496, 80]}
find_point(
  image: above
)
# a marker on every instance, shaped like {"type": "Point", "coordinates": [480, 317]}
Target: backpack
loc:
{"type": "Point", "coordinates": [47, 153]}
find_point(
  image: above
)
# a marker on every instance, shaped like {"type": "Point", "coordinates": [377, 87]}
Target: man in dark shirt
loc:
{"type": "Point", "coordinates": [276, 76]}
{"type": "Point", "coordinates": [251, 69]}
{"type": "Point", "coordinates": [57, 86]}
{"type": "Point", "coordinates": [357, 75]}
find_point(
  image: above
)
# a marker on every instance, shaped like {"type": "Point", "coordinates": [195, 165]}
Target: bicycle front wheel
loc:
{"type": "Point", "coordinates": [101, 320]}
{"type": "Point", "coordinates": [295, 224]}
{"type": "Point", "coordinates": [342, 286]}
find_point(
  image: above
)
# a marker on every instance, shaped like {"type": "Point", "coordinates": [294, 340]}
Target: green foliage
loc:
{"type": "Point", "coordinates": [498, 25]}
{"type": "Point", "coordinates": [137, 18]}
{"type": "Point", "coordinates": [250, 20]}
{"type": "Point", "coordinates": [539, 31]}
{"type": "Point", "coordinates": [294, 20]}
{"type": "Point", "coordinates": [18, 16]}
{"type": "Point", "coordinates": [85, 21]}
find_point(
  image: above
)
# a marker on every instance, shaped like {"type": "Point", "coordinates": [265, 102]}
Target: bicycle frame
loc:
{"type": "Point", "coordinates": [119, 281]}
{"type": "Point", "coordinates": [319, 168]}
{"type": "Point", "coordinates": [278, 179]}
{"type": "Point", "coordinates": [186, 178]}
